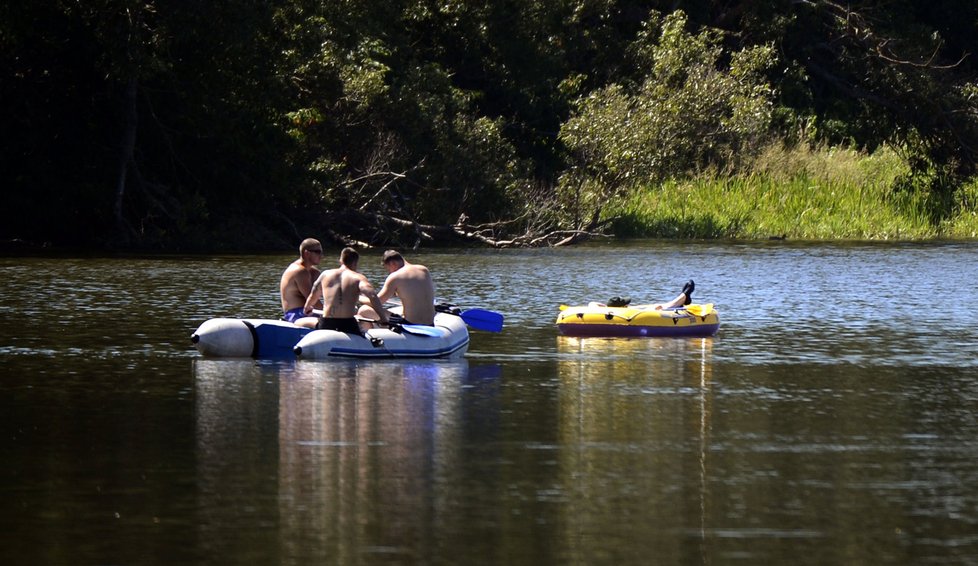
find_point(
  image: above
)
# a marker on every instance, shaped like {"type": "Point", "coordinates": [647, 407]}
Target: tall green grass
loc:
{"type": "Point", "coordinates": [800, 193]}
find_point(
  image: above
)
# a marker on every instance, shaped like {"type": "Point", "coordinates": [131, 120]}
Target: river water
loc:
{"type": "Point", "coordinates": [831, 420]}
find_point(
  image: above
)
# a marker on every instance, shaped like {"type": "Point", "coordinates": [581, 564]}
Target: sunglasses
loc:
{"type": "Point", "coordinates": [320, 252]}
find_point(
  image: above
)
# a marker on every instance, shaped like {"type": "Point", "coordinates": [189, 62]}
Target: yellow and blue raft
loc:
{"type": "Point", "coordinates": [638, 320]}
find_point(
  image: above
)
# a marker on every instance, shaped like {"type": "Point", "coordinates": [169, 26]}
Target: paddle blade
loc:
{"type": "Point", "coordinates": [422, 330]}
{"type": "Point", "coordinates": [480, 319]}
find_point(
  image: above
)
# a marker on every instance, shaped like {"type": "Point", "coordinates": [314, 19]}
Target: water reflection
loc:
{"type": "Point", "coordinates": [636, 419]}
{"type": "Point", "coordinates": [359, 445]}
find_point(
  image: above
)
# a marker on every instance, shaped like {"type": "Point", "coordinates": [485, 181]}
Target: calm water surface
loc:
{"type": "Point", "coordinates": [831, 421]}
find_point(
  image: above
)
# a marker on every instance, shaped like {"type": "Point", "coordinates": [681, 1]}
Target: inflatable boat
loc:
{"type": "Point", "coordinates": [638, 320]}
{"type": "Point", "coordinates": [263, 338]}
{"type": "Point", "coordinates": [448, 338]}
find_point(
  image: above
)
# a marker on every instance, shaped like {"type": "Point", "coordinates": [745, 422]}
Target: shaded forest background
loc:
{"type": "Point", "coordinates": [251, 124]}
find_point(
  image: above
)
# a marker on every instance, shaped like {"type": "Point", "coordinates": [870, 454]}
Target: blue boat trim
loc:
{"type": "Point", "coordinates": [384, 353]}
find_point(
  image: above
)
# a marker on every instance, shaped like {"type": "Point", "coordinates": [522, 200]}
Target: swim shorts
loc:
{"type": "Point", "coordinates": [395, 319]}
{"type": "Point", "coordinates": [348, 325]}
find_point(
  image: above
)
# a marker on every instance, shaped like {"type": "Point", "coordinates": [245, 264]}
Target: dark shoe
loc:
{"type": "Point", "coordinates": [688, 291]}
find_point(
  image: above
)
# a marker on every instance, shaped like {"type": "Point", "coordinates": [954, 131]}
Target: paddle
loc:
{"type": "Point", "coordinates": [416, 329]}
{"type": "Point", "coordinates": [480, 319]}
{"type": "Point", "coordinates": [421, 330]}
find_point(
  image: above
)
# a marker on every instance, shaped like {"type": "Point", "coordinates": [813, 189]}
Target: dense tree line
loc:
{"type": "Point", "coordinates": [136, 123]}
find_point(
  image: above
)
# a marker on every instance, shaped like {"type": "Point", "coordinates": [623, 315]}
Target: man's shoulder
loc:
{"type": "Point", "coordinates": [360, 276]}
{"type": "Point", "coordinates": [293, 267]}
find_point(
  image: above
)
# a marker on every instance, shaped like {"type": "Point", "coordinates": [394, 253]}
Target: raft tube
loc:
{"type": "Point", "coordinates": [448, 338]}
{"type": "Point", "coordinates": [638, 320]}
{"type": "Point", "coordinates": [244, 338]}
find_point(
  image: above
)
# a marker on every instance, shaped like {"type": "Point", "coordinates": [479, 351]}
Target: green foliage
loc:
{"type": "Point", "coordinates": [405, 137]}
{"type": "Point", "coordinates": [800, 194]}
{"type": "Point", "coordinates": [895, 73]}
{"type": "Point", "coordinates": [282, 112]}
{"type": "Point", "coordinates": [964, 222]}
{"type": "Point", "coordinates": [690, 113]}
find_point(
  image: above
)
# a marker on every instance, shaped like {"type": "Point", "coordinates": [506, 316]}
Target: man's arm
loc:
{"type": "Point", "coordinates": [315, 293]}
{"type": "Point", "coordinates": [389, 289]}
{"type": "Point", "coordinates": [367, 290]}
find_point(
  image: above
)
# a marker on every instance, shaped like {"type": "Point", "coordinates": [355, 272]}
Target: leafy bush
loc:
{"type": "Point", "coordinates": [692, 112]}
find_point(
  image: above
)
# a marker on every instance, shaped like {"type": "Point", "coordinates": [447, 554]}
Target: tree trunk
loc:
{"type": "Point", "coordinates": [126, 152]}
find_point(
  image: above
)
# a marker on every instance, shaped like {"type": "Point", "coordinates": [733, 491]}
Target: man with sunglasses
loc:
{"type": "Point", "coordinates": [296, 284]}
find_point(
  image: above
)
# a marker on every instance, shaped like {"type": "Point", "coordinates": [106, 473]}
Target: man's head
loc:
{"type": "Point", "coordinates": [393, 260]}
{"type": "Point", "coordinates": [311, 250]}
{"type": "Point", "coordinates": [350, 258]}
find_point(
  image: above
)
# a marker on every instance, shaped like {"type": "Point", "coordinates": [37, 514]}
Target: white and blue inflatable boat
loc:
{"type": "Point", "coordinates": [263, 338]}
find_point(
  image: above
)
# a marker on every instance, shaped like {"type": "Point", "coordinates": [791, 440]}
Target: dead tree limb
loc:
{"type": "Point", "coordinates": [370, 229]}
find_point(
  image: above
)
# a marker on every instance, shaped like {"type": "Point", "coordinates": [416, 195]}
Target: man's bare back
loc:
{"type": "Point", "coordinates": [413, 284]}
{"type": "Point", "coordinates": [341, 290]}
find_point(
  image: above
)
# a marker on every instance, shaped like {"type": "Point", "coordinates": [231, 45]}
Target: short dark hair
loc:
{"type": "Point", "coordinates": [308, 243]}
{"type": "Point", "coordinates": [392, 255]}
{"type": "Point", "coordinates": [349, 257]}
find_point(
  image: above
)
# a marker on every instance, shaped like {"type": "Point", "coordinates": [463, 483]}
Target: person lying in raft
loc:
{"type": "Point", "coordinates": [340, 290]}
{"type": "Point", "coordinates": [684, 298]}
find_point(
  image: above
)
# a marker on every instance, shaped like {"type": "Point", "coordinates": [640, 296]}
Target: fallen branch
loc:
{"type": "Point", "coordinates": [371, 229]}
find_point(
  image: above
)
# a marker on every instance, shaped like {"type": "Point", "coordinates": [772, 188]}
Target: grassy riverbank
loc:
{"type": "Point", "coordinates": [802, 194]}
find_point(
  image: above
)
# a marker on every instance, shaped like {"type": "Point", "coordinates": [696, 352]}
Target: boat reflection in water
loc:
{"type": "Point", "coordinates": [358, 443]}
{"type": "Point", "coordinates": [629, 408]}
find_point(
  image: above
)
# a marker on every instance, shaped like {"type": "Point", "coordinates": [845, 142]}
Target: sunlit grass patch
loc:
{"type": "Point", "coordinates": [964, 223]}
{"type": "Point", "coordinates": [798, 194]}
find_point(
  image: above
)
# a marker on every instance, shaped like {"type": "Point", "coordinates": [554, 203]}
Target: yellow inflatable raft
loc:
{"type": "Point", "coordinates": [638, 320]}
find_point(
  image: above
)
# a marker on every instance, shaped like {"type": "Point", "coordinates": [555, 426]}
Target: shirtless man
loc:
{"type": "Point", "coordinates": [296, 284]}
{"type": "Point", "coordinates": [341, 289]}
{"type": "Point", "coordinates": [413, 284]}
